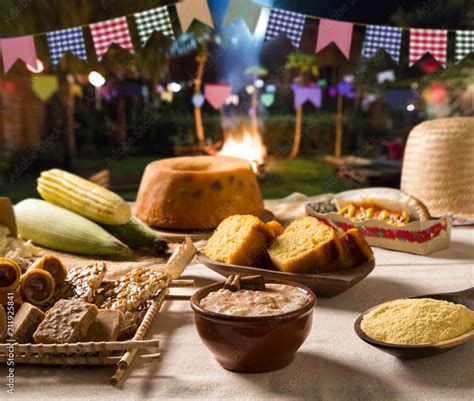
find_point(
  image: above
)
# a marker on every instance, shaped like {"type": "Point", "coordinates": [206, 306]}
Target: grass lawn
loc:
{"type": "Point", "coordinates": [308, 176]}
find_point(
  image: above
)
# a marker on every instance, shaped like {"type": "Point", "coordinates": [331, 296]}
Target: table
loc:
{"type": "Point", "coordinates": [333, 364]}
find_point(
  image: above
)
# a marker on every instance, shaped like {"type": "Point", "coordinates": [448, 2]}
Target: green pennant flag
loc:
{"type": "Point", "coordinates": [44, 86]}
{"type": "Point", "coordinates": [245, 9]}
{"type": "Point", "coordinates": [267, 99]}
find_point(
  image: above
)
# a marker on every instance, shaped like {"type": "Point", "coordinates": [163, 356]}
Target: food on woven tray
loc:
{"type": "Point", "coordinates": [83, 197]}
{"type": "Point", "coordinates": [417, 321]}
{"type": "Point", "coordinates": [53, 265]}
{"type": "Point", "coordinates": [306, 246]}
{"type": "Point", "coordinates": [56, 228]}
{"type": "Point", "coordinates": [272, 299]}
{"type": "Point", "coordinates": [105, 326]}
{"type": "Point", "coordinates": [65, 322]}
{"type": "Point", "coordinates": [22, 252]}
{"type": "Point", "coordinates": [10, 275]}
{"type": "Point", "coordinates": [37, 286]}
{"type": "Point", "coordinates": [82, 283]}
{"type": "Point", "coordinates": [197, 192]}
{"type": "Point", "coordinates": [134, 289]}
{"type": "Point", "coordinates": [137, 234]}
{"type": "Point", "coordinates": [26, 321]}
{"type": "Point", "coordinates": [393, 206]}
{"type": "Point", "coordinates": [242, 240]}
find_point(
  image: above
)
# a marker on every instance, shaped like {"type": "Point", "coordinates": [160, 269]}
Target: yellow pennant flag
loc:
{"type": "Point", "coordinates": [44, 85]}
{"type": "Point", "coordinates": [188, 10]}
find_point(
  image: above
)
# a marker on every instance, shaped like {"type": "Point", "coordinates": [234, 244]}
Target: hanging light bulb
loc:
{"type": "Point", "coordinates": [96, 79]}
{"type": "Point", "coordinates": [36, 69]}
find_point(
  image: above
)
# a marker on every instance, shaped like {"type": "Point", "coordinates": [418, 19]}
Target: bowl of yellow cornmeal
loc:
{"type": "Point", "coordinates": [416, 327]}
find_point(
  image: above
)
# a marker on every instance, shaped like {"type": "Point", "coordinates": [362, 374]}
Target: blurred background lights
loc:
{"type": "Point", "coordinates": [259, 83]}
{"type": "Point", "coordinates": [411, 107]}
{"type": "Point", "coordinates": [39, 67]}
{"type": "Point", "coordinates": [96, 79]}
{"type": "Point", "coordinates": [174, 87]}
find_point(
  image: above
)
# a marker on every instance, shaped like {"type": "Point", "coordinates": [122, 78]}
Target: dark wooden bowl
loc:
{"type": "Point", "coordinates": [253, 344]}
{"type": "Point", "coordinates": [465, 298]}
{"type": "Point", "coordinates": [324, 285]}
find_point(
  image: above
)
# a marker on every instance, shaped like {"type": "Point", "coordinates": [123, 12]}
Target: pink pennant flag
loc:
{"type": "Point", "coordinates": [216, 94]}
{"type": "Point", "coordinates": [434, 41]}
{"type": "Point", "coordinates": [21, 47]}
{"type": "Point", "coordinates": [189, 10]}
{"type": "Point", "coordinates": [338, 32]}
{"type": "Point", "coordinates": [111, 31]}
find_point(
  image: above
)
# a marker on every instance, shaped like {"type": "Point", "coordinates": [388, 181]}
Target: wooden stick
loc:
{"type": "Point", "coordinates": [128, 356]}
{"type": "Point", "coordinates": [77, 348]}
{"type": "Point", "coordinates": [182, 283]}
{"type": "Point", "coordinates": [77, 360]}
{"type": "Point", "coordinates": [178, 297]}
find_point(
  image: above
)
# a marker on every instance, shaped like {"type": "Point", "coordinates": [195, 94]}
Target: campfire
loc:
{"type": "Point", "coordinates": [248, 146]}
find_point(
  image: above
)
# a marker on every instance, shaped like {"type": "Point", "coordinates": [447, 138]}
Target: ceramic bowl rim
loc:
{"type": "Point", "coordinates": [252, 320]}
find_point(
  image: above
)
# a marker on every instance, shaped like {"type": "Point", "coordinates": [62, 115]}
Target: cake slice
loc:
{"type": "Point", "coordinates": [66, 322]}
{"type": "Point", "coordinates": [356, 249]}
{"type": "Point", "coordinates": [26, 321]}
{"type": "Point", "coordinates": [307, 246]}
{"type": "Point", "coordinates": [241, 240]}
{"type": "Point", "coordinates": [105, 326]}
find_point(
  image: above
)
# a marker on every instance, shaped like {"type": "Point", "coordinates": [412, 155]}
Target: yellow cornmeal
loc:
{"type": "Point", "coordinates": [417, 321]}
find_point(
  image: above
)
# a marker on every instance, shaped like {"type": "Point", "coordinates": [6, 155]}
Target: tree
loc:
{"type": "Point", "coordinates": [255, 72]}
{"type": "Point", "coordinates": [201, 60]}
{"type": "Point", "coordinates": [307, 67]}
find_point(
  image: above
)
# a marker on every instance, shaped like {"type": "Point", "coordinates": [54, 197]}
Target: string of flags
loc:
{"type": "Point", "coordinates": [280, 22]}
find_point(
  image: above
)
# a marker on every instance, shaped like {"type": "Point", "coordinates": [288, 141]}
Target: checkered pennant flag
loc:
{"type": "Point", "coordinates": [464, 44]}
{"type": "Point", "coordinates": [288, 22]}
{"type": "Point", "coordinates": [111, 31]}
{"type": "Point", "coordinates": [149, 21]}
{"type": "Point", "coordinates": [382, 37]}
{"type": "Point", "coordinates": [60, 42]}
{"type": "Point", "coordinates": [434, 41]}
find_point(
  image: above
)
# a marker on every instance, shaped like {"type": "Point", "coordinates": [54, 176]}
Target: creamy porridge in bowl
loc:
{"type": "Point", "coordinates": [275, 300]}
{"type": "Point", "coordinates": [254, 330]}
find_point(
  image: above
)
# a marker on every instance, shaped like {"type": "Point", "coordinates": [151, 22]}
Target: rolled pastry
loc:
{"type": "Point", "coordinates": [53, 265]}
{"type": "Point", "coordinates": [37, 286]}
{"type": "Point", "coordinates": [10, 274]}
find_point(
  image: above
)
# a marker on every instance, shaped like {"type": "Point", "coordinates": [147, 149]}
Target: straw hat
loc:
{"type": "Point", "coordinates": [438, 167]}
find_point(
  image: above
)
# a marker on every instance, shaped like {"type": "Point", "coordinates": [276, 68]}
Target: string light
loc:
{"type": "Point", "coordinates": [96, 79]}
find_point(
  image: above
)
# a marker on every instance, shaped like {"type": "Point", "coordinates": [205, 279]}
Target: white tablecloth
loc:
{"type": "Point", "coordinates": [333, 364]}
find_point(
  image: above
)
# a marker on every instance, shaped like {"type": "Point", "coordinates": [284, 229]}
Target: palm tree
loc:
{"type": "Point", "coordinates": [307, 67]}
{"type": "Point", "coordinates": [255, 72]}
{"type": "Point", "coordinates": [201, 60]}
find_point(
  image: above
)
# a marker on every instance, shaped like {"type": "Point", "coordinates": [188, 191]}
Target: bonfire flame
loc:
{"type": "Point", "coordinates": [246, 145]}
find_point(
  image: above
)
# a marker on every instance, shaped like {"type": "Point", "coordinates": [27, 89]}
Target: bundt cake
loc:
{"type": "Point", "coordinates": [241, 240]}
{"type": "Point", "coordinates": [197, 192]}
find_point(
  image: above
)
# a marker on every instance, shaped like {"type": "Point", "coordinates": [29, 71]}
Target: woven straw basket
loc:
{"type": "Point", "coordinates": [438, 167]}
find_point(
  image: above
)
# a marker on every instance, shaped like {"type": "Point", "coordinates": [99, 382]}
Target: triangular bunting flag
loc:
{"type": "Point", "coordinates": [44, 85]}
{"type": "Point", "coordinates": [21, 47]}
{"type": "Point", "coordinates": [338, 32]}
{"type": "Point", "coordinates": [464, 44]}
{"type": "Point", "coordinates": [382, 37]}
{"type": "Point", "coordinates": [245, 9]}
{"type": "Point", "coordinates": [188, 10]}
{"type": "Point", "coordinates": [434, 41]}
{"type": "Point", "coordinates": [149, 21]}
{"type": "Point", "coordinates": [305, 93]}
{"type": "Point", "coordinates": [60, 42]}
{"type": "Point", "coordinates": [216, 94]}
{"type": "Point", "coordinates": [111, 31]}
{"type": "Point", "coordinates": [288, 22]}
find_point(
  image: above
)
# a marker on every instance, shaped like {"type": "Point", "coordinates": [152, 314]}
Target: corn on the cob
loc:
{"type": "Point", "coordinates": [60, 229]}
{"type": "Point", "coordinates": [84, 197]}
{"type": "Point", "coordinates": [137, 234]}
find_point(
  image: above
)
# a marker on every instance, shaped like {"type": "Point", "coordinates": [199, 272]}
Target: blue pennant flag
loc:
{"type": "Point", "coordinates": [382, 37]}
{"type": "Point", "coordinates": [65, 40]}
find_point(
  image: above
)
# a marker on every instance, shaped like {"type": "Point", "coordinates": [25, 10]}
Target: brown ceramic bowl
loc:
{"type": "Point", "coordinates": [257, 343]}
